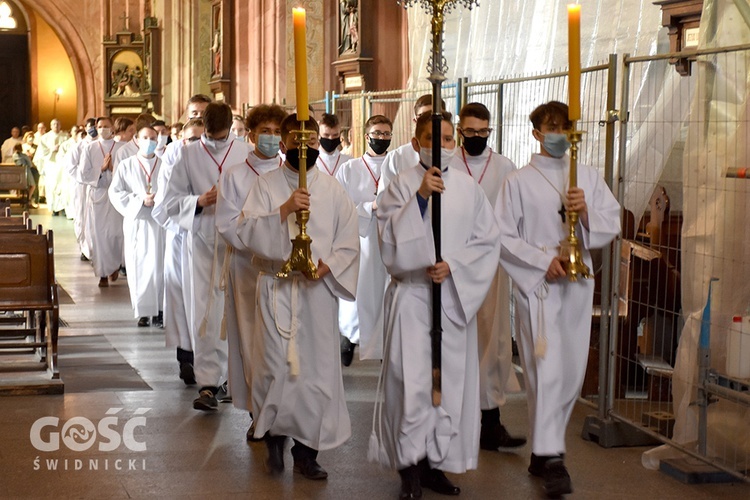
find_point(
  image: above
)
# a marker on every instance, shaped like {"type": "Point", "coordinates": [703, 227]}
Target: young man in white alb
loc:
{"type": "Point", "coordinates": [553, 314]}
{"type": "Point", "coordinates": [132, 193]}
{"type": "Point", "coordinates": [361, 321]}
{"type": "Point", "coordinates": [496, 374]}
{"type": "Point", "coordinates": [330, 158]}
{"type": "Point", "coordinates": [190, 202]}
{"type": "Point", "coordinates": [239, 273]}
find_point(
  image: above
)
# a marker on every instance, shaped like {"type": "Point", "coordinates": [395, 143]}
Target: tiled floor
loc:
{"type": "Point", "coordinates": [189, 454]}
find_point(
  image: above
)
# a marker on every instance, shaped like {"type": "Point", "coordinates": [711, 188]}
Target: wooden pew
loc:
{"type": "Point", "coordinates": [14, 185]}
{"type": "Point", "coordinates": [28, 342]}
{"type": "Point", "coordinates": [15, 224]}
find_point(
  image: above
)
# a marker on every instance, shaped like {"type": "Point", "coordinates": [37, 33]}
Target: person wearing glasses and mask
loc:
{"type": "Point", "coordinates": [297, 387]}
{"type": "Point", "coordinates": [330, 158]}
{"type": "Point", "coordinates": [190, 202]}
{"type": "Point", "coordinates": [553, 314]}
{"type": "Point", "coordinates": [360, 322]}
{"type": "Point", "coordinates": [496, 375]}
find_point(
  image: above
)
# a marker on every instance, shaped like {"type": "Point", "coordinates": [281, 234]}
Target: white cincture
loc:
{"type": "Point", "coordinates": [540, 342]}
{"type": "Point", "coordinates": [289, 334]}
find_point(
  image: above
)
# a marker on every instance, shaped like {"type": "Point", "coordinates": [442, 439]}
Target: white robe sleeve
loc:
{"type": "Point", "coordinates": [604, 215]}
{"type": "Point", "coordinates": [122, 197]}
{"type": "Point", "coordinates": [526, 264]}
{"type": "Point", "coordinates": [473, 267]}
{"type": "Point", "coordinates": [260, 227]}
{"type": "Point", "coordinates": [343, 259]}
{"type": "Point", "coordinates": [179, 201]}
{"type": "Point", "coordinates": [87, 171]}
{"type": "Point", "coordinates": [405, 244]}
{"type": "Point", "coordinates": [228, 210]}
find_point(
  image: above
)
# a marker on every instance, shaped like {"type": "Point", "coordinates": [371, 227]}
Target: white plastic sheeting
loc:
{"type": "Point", "coordinates": [504, 38]}
{"type": "Point", "coordinates": [715, 238]}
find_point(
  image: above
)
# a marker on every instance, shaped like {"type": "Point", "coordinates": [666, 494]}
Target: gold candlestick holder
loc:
{"type": "Point", "coordinates": [570, 247]}
{"type": "Point", "coordinates": [301, 258]}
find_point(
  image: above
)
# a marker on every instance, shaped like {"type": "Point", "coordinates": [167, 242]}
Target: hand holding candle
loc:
{"type": "Point", "coordinates": [300, 62]}
{"type": "Point", "coordinates": [574, 58]}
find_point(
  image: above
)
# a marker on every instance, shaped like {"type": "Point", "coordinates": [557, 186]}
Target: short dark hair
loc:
{"type": "Point", "coordinates": [330, 120]}
{"type": "Point", "coordinates": [553, 112]}
{"type": "Point", "coordinates": [102, 118]}
{"type": "Point", "coordinates": [425, 100]}
{"type": "Point", "coordinates": [144, 119]}
{"type": "Point", "coordinates": [121, 124]}
{"type": "Point", "coordinates": [263, 113]}
{"type": "Point", "coordinates": [425, 120]}
{"type": "Point", "coordinates": [474, 110]}
{"type": "Point", "coordinates": [199, 98]}
{"type": "Point", "coordinates": [18, 147]}
{"type": "Point", "coordinates": [292, 123]}
{"type": "Point", "coordinates": [91, 122]}
{"type": "Point", "coordinates": [217, 117]}
{"type": "Point", "coordinates": [159, 123]}
{"type": "Point", "coordinates": [193, 122]}
{"type": "Point", "coordinates": [377, 119]}
{"type": "Point", "coordinates": [147, 126]}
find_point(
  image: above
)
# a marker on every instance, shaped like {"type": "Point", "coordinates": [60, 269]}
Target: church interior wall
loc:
{"type": "Point", "coordinates": [52, 70]}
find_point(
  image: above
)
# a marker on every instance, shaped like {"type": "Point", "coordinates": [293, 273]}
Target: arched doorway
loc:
{"type": "Point", "coordinates": [15, 91]}
{"type": "Point", "coordinates": [62, 80]}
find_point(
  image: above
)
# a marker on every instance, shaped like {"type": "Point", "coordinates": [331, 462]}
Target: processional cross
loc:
{"type": "Point", "coordinates": [437, 67]}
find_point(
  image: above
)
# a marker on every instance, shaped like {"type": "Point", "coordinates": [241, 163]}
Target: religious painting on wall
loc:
{"type": "Point", "coordinates": [128, 76]}
{"type": "Point", "coordinates": [349, 27]}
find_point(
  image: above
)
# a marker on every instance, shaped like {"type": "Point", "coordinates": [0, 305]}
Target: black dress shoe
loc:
{"type": "Point", "coordinates": [411, 487]}
{"type": "Point", "coordinates": [310, 468]}
{"type": "Point", "coordinates": [497, 436]}
{"type": "Point", "coordinates": [435, 480]}
{"type": "Point", "coordinates": [537, 463]}
{"type": "Point", "coordinates": [143, 321]}
{"type": "Point", "coordinates": [347, 351]}
{"type": "Point", "coordinates": [187, 373]}
{"type": "Point", "coordinates": [275, 461]}
{"type": "Point", "coordinates": [556, 479]}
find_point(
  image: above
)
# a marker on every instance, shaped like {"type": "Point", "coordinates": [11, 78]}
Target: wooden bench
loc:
{"type": "Point", "coordinates": [15, 224]}
{"type": "Point", "coordinates": [14, 185]}
{"type": "Point", "coordinates": [29, 311]}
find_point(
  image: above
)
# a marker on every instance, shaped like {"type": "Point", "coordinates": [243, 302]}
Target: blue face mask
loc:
{"type": "Point", "coordinates": [146, 146]}
{"type": "Point", "coordinates": [556, 144]}
{"type": "Point", "coordinates": [268, 144]}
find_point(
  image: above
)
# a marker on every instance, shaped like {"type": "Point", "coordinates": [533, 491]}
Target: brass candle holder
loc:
{"type": "Point", "coordinates": [571, 246]}
{"type": "Point", "coordinates": [301, 258]}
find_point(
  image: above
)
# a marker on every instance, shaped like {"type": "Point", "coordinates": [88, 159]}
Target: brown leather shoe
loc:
{"type": "Point", "coordinates": [114, 276]}
{"type": "Point", "coordinates": [103, 283]}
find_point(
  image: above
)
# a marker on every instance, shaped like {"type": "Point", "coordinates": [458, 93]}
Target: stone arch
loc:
{"type": "Point", "coordinates": [59, 14]}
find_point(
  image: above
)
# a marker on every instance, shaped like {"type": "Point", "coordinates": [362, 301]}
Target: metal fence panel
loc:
{"type": "Point", "coordinates": [662, 269]}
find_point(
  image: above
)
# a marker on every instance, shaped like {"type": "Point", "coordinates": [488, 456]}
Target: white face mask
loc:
{"type": "Point", "coordinates": [146, 146]}
{"type": "Point", "coordinates": [105, 133]}
{"type": "Point", "coordinates": [216, 144]}
{"type": "Point", "coordinates": [161, 141]}
{"type": "Point", "coordinates": [446, 156]}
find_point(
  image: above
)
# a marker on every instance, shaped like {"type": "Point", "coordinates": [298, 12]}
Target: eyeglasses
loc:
{"type": "Point", "coordinates": [470, 132]}
{"type": "Point", "coordinates": [376, 134]}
